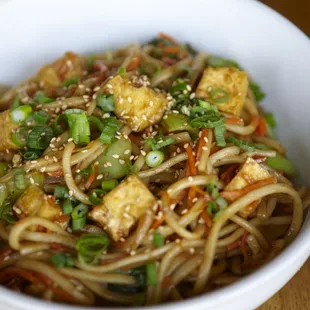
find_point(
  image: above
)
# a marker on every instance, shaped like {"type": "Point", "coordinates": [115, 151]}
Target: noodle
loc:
{"type": "Point", "coordinates": [178, 190]}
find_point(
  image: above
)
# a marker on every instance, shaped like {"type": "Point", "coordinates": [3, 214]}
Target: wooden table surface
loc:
{"type": "Point", "coordinates": [295, 295]}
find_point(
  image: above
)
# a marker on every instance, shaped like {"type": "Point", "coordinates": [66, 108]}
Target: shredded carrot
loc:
{"type": "Point", "coordinates": [62, 218]}
{"type": "Point", "coordinates": [234, 120]}
{"type": "Point", "coordinates": [243, 248]}
{"type": "Point", "coordinates": [206, 218]}
{"type": "Point", "coordinates": [92, 177]}
{"type": "Point", "coordinates": [215, 149]}
{"type": "Point", "coordinates": [171, 49]}
{"type": "Point", "coordinates": [261, 128]}
{"type": "Point", "coordinates": [255, 121]}
{"type": "Point", "coordinates": [167, 282]}
{"type": "Point", "coordinates": [157, 223]}
{"type": "Point", "coordinates": [134, 63]}
{"type": "Point", "coordinates": [191, 196]}
{"type": "Point", "coordinates": [169, 61]}
{"type": "Point", "coordinates": [57, 173]}
{"type": "Point", "coordinates": [200, 191]}
{"type": "Point", "coordinates": [180, 197]}
{"type": "Point", "coordinates": [191, 161]}
{"type": "Point", "coordinates": [201, 143]}
{"type": "Point", "coordinates": [233, 195]}
{"type": "Point", "coordinates": [233, 245]}
{"type": "Point", "coordinates": [167, 37]}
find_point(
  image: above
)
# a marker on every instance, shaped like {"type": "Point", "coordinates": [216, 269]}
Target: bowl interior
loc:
{"type": "Point", "coordinates": [273, 51]}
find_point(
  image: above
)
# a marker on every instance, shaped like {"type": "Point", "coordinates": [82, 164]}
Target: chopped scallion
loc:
{"type": "Point", "coordinates": [41, 117]}
{"type": "Point", "coordinates": [108, 185]}
{"type": "Point", "coordinates": [21, 113]}
{"type": "Point", "coordinates": [95, 196]}
{"type": "Point", "coordinates": [79, 211]}
{"type": "Point", "coordinates": [106, 102]}
{"type": "Point", "coordinates": [40, 137]}
{"type": "Point", "coordinates": [212, 208]}
{"type": "Point", "coordinates": [61, 260]}
{"type": "Point", "coordinates": [159, 239]}
{"type": "Point", "coordinates": [31, 155]}
{"type": "Point", "coordinates": [154, 159]}
{"type": "Point", "coordinates": [219, 95]}
{"type": "Point", "coordinates": [151, 273]}
{"type": "Point", "coordinates": [78, 224]}
{"type": "Point", "coordinates": [41, 97]}
{"type": "Point", "coordinates": [111, 126]}
{"type": "Point", "coordinates": [258, 93]}
{"type": "Point", "coordinates": [72, 81]}
{"type": "Point", "coordinates": [67, 206]}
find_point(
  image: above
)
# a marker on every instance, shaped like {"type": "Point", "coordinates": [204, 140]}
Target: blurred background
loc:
{"type": "Point", "coordinates": [295, 295]}
{"type": "Point", "coordinates": [297, 11]}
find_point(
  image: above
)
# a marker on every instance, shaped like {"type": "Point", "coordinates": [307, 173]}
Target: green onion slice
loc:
{"type": "Point", "coordinates": [40, 137]}
{"type": "Point", "coordinates": [219, 95]}
{"type": "Point", "coordinates": [78, 224]}
{"type": "Point", "coordinates": [79, 127]}
{"type": "Point", "coordinates": [93, 120]}
{"type": "Point", "coordinates": [111, 126]}
{"type": "Point", "coordinates": [151, 272]}
{"type": "Point", "coordinates": [159, 239]}
{"type": "Point", "coordinates": [21, 113]}
{"type": "Point", "coordinates": [41, 117]}
{"type": "Point", "coordinates": [72, 81]}
{"type": "Point", "coordinates": [154, 159]}
{"type": "Point", "coordinates": [95, 196]}
{"type": "Point", "coordinates": [108, 185]}
{"type": "Point", "coordinates": [31, 155]}
{"type": "Point", "coordinates": [79, 211]}
{"type": "Point", "coordinates": [41, 97]}
{"type": "Point", "coordinates": [106, 102]}
{"type": "Point", "coordinates": [212, 208]}
{"type": "Point", "coordinates": [60, 124]}
{"type": "Point", "coordinates": [61, 260]}
{"type": "Point", "coordinates": [67, 206]}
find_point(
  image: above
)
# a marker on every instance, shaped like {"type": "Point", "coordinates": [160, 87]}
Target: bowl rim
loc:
{"type": "Point", "coordinates": [295, 254]}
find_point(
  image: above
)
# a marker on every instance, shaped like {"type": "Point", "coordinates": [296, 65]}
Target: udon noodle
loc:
{"type": "Point", "coordinates": [140, 176]}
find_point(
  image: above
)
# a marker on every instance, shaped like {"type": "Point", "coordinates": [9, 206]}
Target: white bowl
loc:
{"type": "Point", "coordinates": [272, 49]}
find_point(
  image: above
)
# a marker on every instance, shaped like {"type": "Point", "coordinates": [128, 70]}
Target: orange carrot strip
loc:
{"type": "Point", "coordinates": [215, 149]}
{"type": "Point", "coordinates": [234, 120]}
{"type": "Point", "coordinates": [166, 282]}
{"type": "Point", "coordinates": [171, 49]}
{"type": "Point", "coordinates": [234, 245]}
{"type": "Point", "coordinates": [92, 177]}
{"type": "Point", "coordinates": [167, 37]}
{"type": "Point", "coordinates": [233, 195]}
{"type": "Point", "coordinates": [261, 129]}
{"type": "Point", "coordinates": [206, 218]}
{"type": "Point", "coordinates": [157, 223]}
{"type": "Point", "coordinates": [228, 175]}
{"type": "Point", "coordinates": [190, 197]}
{"type": "Point", "coordinates": [201, 143]}
{"type": "Point", "coordinates": [191, 161]}
{"type": "Point", "coordinates": [134, 63]}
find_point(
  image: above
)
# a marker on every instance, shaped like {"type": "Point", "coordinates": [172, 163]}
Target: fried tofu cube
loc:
{"type": "Point", "coordinates": [139, 107]}
{"type": "Point", "coordinates": [6, 128]}
{"type": "Point", "coordinates": [251, 172]}
{"type": "Point", "coordinates": [232, 81]}
{"type": "Point", "coordinates": [34, 202]}
{"type": "Point", "coordinates": [123, 206]}
{"type": "Point", "coordinates": [69, 66]}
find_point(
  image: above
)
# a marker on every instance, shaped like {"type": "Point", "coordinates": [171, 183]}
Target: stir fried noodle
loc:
{"type": "Point", "coordinates": [139, 176]}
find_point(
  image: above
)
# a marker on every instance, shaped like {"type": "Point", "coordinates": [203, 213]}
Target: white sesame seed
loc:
{"type": "Point", "coordinates": [122, 162]}
{"type": "Point", "coordinates": [71, 192]}
{"type": "Point", "coordinates": [129, 99]}
{"type": "Point", "coordinates": [190, 179]}
{"type": "Point", "coordinates": [186, 145]}
{"type": "Point", "coordinates": [99, 176]}
{"type": "Point", "coordinates": [143, 152]}
{"type": "Point", "coordinates": [109, 86]}
{"type": "Point", "coordinates": [115, 156]}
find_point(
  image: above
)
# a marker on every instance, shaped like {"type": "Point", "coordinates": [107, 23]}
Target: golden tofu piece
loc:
{"type": "Point", "coordinates": [6, 128]}
{"type": "Point", "coordinates": [69, 66]}
{"type": "Point", "coordinates": [233, 81]}
{"type": "Point", "coordinates": [34, 202]}
{"type": "Point", "coordinates": [139, 107]}
{"type": "Point", "coordinates": [123, 206]}
{"type": "Point", "coordinates": [251, 172]}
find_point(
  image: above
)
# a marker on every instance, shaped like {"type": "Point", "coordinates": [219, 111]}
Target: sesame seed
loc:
{"type": "Point", "coordinates": [131, 157]}
{"type": "Point", "coordinates": [70, 139]}
{"type": "Point", "coordinates": [188, 87]}
{"type": "Point", "coordinates": [127, 152]}
{"type": "Point", "coordinates": [55, 159]}
{"type": "Point", "coordinates": [71, 192]}
{"type": "Point", "coordinates": [129, 99]}
{"type": "Point", "coordinates": [96, 88]}
{"type": "Point", "coordinates": [78, 170]}
{"type": "Point", "coordinates": [184, 211]}
{"type": "Point", "coordinates": [186, 145]}
{"type": "Point", "coordinates": [115, 156]}
{"type": "Point", "coordinates": [204, 148]}
{"type": "Point", "coordinates": [122, 162]}
{"type": "Point", "coordinates": [99, 176]}
{"type": "Point", "coordinates": [144, 117]}
{"type": "Point", "coordinates": [143, 152]}
{"type": "Point", "coordinates": [122, 239]}
{"type": "Point", "coordinates": [31, 180]}
{"type": "Point", "coordinates": [132, 253]}
{"type": "Point", "coordinates": [192, 250]}
{"type": "Point", "coordinates": [126, 215]}
{"type": "Point", "coordinates": [177, 240]}
{"type": "Point", "coordinates": [151, 103]}
{"type": "Point", "coordinates": [172, 206]}
{"type": "Point", "coordinates": [109, 86]}
{"type": "Point", "coordinates": [43, 169]}
{"type": "Point", "coordinates": [190, 179]}
{"type": "Point", "coordinates": [33, 161]}
{"type": "Point", "coordinates": [84, 151]}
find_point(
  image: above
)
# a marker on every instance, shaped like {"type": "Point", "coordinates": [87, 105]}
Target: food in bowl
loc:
{"type": "Point", "coordinates": [139, 176]}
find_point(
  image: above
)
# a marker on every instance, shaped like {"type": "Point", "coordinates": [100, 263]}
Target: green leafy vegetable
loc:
{"type": "Point", "coordinates": [244, 145]}
{"type": "Point", "coordinates": [258, 93]}
{"type": "Point", "coordinates": [72, 81]}
{"type": "Point", "coordinates": [218, 62]}
{"type": "Point", "coordinates": [270, 120]}
{"type": "Point", "coordinates": [61, 260]}
{"type": "Point", "coordinates": [122, 71]}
